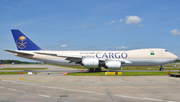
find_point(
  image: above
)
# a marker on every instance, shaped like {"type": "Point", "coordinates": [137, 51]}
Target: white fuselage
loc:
{"type": "Point", "coordinates": [141, 57]}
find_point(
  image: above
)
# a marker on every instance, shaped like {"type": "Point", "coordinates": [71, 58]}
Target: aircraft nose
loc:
{"type": "Point", "coordinates": [175, 57]}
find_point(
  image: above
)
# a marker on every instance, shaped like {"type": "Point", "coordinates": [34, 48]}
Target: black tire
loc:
{"type": "Point", "coordinates": [92, 69]}
{"type": "Point", "coordinates": [161, 69]}
{"type": "Point", "coordinates": [96, 70]}
{"type": "Point", "coordinates": [89, 69]}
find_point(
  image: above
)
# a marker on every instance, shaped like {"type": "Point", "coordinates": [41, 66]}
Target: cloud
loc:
{"type": "Point", "coordinates": [141, 25]}
{"type": "Point", "coordinates": [121, 20]}
{"type": "Point", "coordinates": [63, 46]}
{"type": "Point", "coordinates": [117, 29]}
{"type": "Point", "coordinates": [175, 32]}
{"type": "Point", "coordinates": [133, 19]}
{"type": "Point", "coordinates": [109, 22]}
{"type": "Point", "coordinates": [123, 47]}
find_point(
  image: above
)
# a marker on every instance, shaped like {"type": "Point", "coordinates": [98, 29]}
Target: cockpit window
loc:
{"type": "Point", "coordinates": [166, 50]}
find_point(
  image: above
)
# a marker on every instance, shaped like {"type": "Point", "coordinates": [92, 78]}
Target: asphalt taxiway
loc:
{"type": "Point", "coordinates": [61, 88]}
{"type": "Point", "coordinates": [52, 68]}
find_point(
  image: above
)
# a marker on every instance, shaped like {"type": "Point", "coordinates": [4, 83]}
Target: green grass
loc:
{"type": "Point", "coordinates": [166, 67]}
{"type": "Point", "coordinates": [123, 74]}
{"type": "Point", "coordinates": [8, 73]}
{"type": "Point", "coordinates": [87, 74]}
{"type": "Point", "coordinates": [23, 68]}
{"type": "Point", "coordinates": [75, 67]}
{"type": "Point", "coordinates": [145, 73]}
{"type": "Point", "coordinates": [149, 68]}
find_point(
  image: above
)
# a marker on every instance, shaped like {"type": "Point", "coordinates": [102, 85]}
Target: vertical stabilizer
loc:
{"type": "Point", "coordinates": [22, 41]}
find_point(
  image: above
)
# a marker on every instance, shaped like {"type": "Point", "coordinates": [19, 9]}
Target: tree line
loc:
{"type": "Point", "coordinates": [17, 62]}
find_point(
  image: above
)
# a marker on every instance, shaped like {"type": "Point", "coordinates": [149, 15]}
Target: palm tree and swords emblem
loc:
{"type": "Point", "coordinates": [21, 42]}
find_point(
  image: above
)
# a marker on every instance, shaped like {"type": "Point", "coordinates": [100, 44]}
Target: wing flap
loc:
{"type": "Point", "coordinates": [51, 54]}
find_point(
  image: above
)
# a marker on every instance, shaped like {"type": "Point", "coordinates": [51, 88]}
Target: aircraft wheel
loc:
{"type": "Point", "coordinates": [161, 69]}
{"type": "Point", "coordinates": [91, 70]}
{"type": "Point", "coordinates": [96, 70]}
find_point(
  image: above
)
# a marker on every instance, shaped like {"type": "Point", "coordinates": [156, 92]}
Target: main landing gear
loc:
{"type": "Point", "coordinates": [161, 68]}
{"type": "Point", "coordinates": [94, 70]}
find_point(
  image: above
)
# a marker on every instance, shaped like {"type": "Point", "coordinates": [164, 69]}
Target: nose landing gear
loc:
{"type": "Point", "coordinates": [161, 68]}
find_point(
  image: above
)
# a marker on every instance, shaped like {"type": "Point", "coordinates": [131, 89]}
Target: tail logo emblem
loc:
{"type": "Point", "coordinates": [21, 42]}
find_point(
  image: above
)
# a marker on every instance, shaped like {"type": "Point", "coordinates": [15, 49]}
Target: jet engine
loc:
{"type": "Point", "coordinates": [113, 65]}
{"type": "Point", "coordinates": [90, 62]}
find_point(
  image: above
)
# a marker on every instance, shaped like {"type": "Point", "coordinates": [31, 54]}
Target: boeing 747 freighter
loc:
{"type": "Point", "coordinates": [93, 60]}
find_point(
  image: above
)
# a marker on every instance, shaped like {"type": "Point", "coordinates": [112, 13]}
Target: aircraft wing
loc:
{"type": "Point", "coordinates": [59, 55]}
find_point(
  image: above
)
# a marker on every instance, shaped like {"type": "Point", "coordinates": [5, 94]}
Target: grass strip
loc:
{"type": "Point", "coordinates": [144, 73]}
{"type": "Point", "coordinates": [149, 68]}
{"type": "Point", "coordinates": [23, 68]}
{"type": "Point", "coordinates": [9, 73]}
{"type": "Point", "coordinates": [75, 67]}
{"type": "Point", "coordinates": [130, 67]}
{"type": "Point", "coordinates": [123, 74]}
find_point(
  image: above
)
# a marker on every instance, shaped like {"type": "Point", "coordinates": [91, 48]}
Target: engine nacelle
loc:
{"type": "Point", "coordinates": [113, 65]}
{"type": "Point", "coordinates": [90, 62]}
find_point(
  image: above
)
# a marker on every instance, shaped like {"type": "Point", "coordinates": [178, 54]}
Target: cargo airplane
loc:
{"type": "Point", "coordinates": [93, 60]}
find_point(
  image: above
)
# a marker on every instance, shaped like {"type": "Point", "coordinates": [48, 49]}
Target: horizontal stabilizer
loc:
{"type": "Point", "coordinates": [17, 52]}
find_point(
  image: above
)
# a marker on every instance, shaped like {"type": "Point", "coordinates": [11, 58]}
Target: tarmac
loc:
{"type": "Point", "coordinates": [57, 87]}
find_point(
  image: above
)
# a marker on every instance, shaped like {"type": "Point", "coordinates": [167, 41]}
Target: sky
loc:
{"type": "Point", "coordinates": [91, 24]}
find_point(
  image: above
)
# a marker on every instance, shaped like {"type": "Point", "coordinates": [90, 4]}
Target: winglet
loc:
{"type": "Point", "coordinates": [22, 41]}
